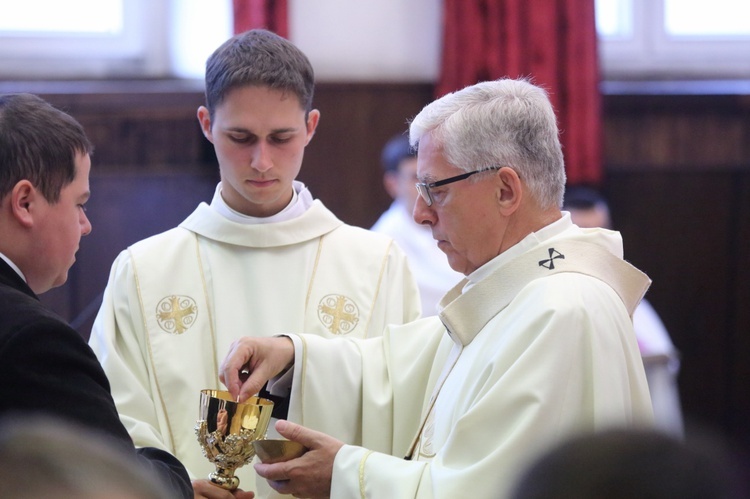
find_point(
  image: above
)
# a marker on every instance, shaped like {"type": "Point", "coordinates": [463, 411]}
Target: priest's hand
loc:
{"type": "Point", "coordinates": [251, 362]}
{"type": "Point", "coordinates": [204, 489]}
{"type": "Point", "coordinates": [306, 476]}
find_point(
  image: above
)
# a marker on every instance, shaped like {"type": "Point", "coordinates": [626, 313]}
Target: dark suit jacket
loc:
{"type": "Point", "coordinates": [47, 369]}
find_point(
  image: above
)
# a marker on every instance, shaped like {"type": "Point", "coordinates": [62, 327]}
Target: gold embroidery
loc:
{"type": "Point", "coordinates": [338, 314]}
{"type": "Point", "coordinates": [175, 314]}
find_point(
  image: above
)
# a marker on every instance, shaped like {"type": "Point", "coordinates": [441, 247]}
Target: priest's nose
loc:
{"type": "Point", "coordinates": [261, 159]}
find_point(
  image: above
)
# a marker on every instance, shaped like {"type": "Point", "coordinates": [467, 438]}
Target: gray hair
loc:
{"type": "Point", "coordinates": [499, 123]}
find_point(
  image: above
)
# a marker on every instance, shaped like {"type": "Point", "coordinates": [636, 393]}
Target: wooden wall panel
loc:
{"type": "Point", "coordinates": [342, 163]}
{"type": "Point", "coordinates": [738, 406]}
{"type": "Point", "coordinates": [677, 132]}
{"type": "Point", "coordinates": [675, 230]}
{"type": "Point", "coordinates": [135, 124]}
{"type": "Point", "coordinates": [678, 168]}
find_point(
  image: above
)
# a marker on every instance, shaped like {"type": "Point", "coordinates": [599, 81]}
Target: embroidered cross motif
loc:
{"type": "Point", "coordinates": [550, 262]}
{"type": "Point", "coordinates": [175, 314]}
{"type": "Point", "coordinates": [338, 314]}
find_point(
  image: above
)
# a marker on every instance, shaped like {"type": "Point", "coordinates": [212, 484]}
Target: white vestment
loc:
{"type": "Point", "coordinates": [427, 262]}
{"type": "Point", "coordinates": [534, 346]}
{"type": "Point", "coordinates": [176, 301]}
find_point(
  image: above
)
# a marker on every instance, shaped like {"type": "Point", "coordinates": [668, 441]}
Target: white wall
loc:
{"type": "Point", "coordinates": [346, 40]}
{"type": "Point", "coordinates": [369, 40]}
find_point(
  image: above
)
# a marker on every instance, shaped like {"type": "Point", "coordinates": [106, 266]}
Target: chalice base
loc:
{"type": "Point", "coordinates": [224, 479]}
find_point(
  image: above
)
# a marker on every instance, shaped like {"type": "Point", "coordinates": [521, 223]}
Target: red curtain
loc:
{"type": "Point", "coordinates": [551, 41]}
{"type": "Point", "coordinates": [268, 14]}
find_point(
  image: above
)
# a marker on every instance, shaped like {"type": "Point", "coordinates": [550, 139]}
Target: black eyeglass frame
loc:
{"type": "Point", "coordinates": [424, 188]}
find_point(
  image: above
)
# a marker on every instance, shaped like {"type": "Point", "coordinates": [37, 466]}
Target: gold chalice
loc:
{"type": "Point", "coordinates": [226, 430]}
{"type": "Point", "coordinates": [271, 451]}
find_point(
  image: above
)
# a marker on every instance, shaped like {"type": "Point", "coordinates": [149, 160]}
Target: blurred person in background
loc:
{"type": "Point", "coordinates": [428, 264]}
{"type": "Point", "coordinates": [46, 457]}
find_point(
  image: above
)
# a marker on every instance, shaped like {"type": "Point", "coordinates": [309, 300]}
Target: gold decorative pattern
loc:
{"type": "Point", "coordinates": [338, 314]}
{"type": "Point", "coordinates": [175, 314]}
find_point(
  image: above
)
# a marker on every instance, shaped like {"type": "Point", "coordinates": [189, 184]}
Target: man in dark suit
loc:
{"type": "Point", "coordinates": [46, 368]}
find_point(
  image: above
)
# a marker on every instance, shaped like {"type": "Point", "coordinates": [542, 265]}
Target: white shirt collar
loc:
{"type": "Point", "coordinates": [300, 203]}
{"type": "Point", "coordinates": [13, 266]}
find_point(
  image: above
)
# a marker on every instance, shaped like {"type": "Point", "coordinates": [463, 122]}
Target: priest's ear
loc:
{"type": "Point", "coordinates": [509, 191]}
{"type": "Point", "coordinates": [204, 119]}
{"type": "Point", "coordinates": [22, 199]}
{"type": "Point", "coordinates": [313, 117]}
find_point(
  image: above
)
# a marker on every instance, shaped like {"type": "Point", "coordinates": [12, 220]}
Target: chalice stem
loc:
{"type": "Point", "coordinates": [224, 478]}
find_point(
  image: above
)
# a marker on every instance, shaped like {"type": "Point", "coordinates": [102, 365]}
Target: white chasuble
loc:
{"type": "Point", "coordinates": [531, 348]}
{"type": "Point", "coordinates": [176, 301]}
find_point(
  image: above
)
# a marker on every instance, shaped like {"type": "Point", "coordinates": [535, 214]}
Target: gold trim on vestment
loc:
{"type": "Point", "coordinates": [314, 272]}
{"type": "Point", "coordinates": [208, 311]}
{"type": "Point", "coordinates": [302, 375]}
{"type": "Point", "coordinates": [377, 288]}
{"type": "Point", "coordinates": [362, 474]}
{"type": "Point", "coordinates": [150, 350]}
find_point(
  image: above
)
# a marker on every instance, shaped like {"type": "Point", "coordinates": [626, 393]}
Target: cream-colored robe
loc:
{"type": "Point", "coordinates": [175, 302]}
{"type": "Point", "coordinates": [536, 344]}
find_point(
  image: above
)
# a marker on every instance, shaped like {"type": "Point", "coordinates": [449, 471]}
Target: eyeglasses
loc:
{"type": "Point", "coordinates": [424, 189]}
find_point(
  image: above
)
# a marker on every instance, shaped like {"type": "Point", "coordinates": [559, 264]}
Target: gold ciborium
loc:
{"type": "Point", "coordinates": [226, 431]}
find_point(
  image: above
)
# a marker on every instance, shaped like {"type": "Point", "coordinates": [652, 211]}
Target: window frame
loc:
{"type": "Point", "coordinates": [652, 54]}
{"type": "Point", "coordinates": [141, 50]}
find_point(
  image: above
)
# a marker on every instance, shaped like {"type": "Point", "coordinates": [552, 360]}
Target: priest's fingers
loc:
{"type": "Point", "coordinates": [240, 367]}
{"type": "Point", "coordinates": [233, 364]}
{"type": "Point", "coordinates": [274, 355]}
{"type": "Point", "coordinates": [241, 494]}
{"type": "Point", "coordinates": [281, 486]}
{"type": "Point", "coordinates": [313, 440]}
{"type": "Point", "coordinates": [253, 361]}
{"type": "Point", "coordinates": [308, 475]}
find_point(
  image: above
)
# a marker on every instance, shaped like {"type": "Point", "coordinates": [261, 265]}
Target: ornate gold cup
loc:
{"type": "Point", "coordinates": [226, 431]}
{"type": "Point", "coordinates": [275, 451]}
